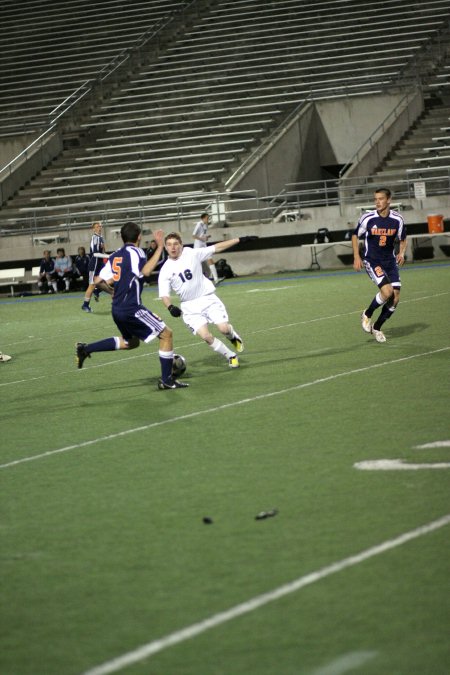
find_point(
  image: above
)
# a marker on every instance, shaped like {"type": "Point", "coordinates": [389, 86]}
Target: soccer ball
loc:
{"type": "Point", "coordinates": [179, 365]}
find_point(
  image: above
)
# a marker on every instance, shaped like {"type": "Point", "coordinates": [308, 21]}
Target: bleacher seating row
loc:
{"type": "Point", "coordinates": [186, 121]}
{"type": "Point", "coordinates": [47, 51]}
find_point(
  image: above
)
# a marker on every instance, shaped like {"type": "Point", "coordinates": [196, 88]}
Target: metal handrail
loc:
{"type": "Point", "coordinates": [369, 142]}
{"type": "Point", "coordinates": [25, 153]}
{"type": "Point", "coordinates": [268, 142]}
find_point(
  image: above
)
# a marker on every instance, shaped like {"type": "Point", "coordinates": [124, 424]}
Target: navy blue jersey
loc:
{"type": "Point", "coordinates": [47, 265]}
{"type": "Point", "coordinates": [124, 266]}
{"type": "Point", "coordinates": [97, 244]}
{"type": "Point", "coordinates": [380, 234]}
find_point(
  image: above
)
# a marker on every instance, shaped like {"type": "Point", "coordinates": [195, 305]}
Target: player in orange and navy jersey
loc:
{"type": "Point", "coordinates": [380, 230]}
{"type": "Point", "coordinates": [126, 269]}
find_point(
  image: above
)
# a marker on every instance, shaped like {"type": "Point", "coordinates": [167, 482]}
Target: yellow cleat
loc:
{"type": "Point", "coordinates": [237, 343]}
{"type": "Point", "coordinates": [233, 362]}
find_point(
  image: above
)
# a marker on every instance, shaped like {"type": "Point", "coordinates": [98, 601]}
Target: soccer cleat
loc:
{"type": "Point", "coordinates": [378, 335]}
{"type": "Point", "coordinates": [233, 361]}
{"type": "Point", "coordinates": [82, 354]}
{"type": "Point", "coordinates": [219, 281]}
{"type": "Point", "coordinates": [237, 343]}
{"type": "Point", "coordinates": [96, 294]}
{"type": "Point", "coordinates": [172, 384]}
{"type": "Point", "coordinates": [86, 307]}
{"type": "Point", "coordinates": [365, 323]}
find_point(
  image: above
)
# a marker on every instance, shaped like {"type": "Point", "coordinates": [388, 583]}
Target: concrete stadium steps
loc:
{"type": "Point", "coordinates": [418, 154]}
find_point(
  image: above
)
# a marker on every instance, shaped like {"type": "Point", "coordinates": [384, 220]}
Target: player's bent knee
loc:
{"type": "Point", "coordinates": [133, 343]}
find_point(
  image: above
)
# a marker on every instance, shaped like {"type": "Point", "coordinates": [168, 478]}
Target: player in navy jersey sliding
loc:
{"type": "Point", "coordinates": [380, 230]}
{"type": "Point", "coordinates": [126, 269]}
{"type": "Point", "coordinates": [95, 265]}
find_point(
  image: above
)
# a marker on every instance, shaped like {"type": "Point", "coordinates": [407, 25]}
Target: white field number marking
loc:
{"type": "Point", "coordinates": [402, 464]}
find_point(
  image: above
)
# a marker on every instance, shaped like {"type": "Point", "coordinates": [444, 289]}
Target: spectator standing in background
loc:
{"type": "Point", "coordinates": [95, 265]}
{"type": "Point", "coordinates": [201, 238]}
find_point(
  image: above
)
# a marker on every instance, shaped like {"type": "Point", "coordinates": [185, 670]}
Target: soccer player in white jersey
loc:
{"type": "Point", "coordinates": [200, 306]}
{"type": "Point", "coordinates": [380, 229]}
{"type": "Point", "coordinates": [201, 236]}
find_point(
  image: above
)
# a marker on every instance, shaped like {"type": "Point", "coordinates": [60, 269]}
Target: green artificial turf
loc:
{"type": "Point", "coordinates": [105, 482]}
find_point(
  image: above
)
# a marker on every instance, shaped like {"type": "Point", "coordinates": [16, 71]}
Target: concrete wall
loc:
{"type": "Point", "coordinates": [324, 133]}
{"type": "Point", "coordinates": [347, 123]}
{"type": "Point", "coordinates": [11, 147]}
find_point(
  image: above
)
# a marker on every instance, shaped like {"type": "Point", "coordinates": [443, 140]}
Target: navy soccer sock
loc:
{"type": "Point", "coordinates": [386, 314]}
{"type": "Point", "coordinates": [107, 345]}
{"type": "Point", "coordinates": [166, 361]}
{"type": "Point", "coordinates": [374, 305]}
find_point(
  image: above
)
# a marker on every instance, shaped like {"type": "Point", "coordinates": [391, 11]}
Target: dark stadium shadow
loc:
{"type": "Point", "coordinates": [402, 331]}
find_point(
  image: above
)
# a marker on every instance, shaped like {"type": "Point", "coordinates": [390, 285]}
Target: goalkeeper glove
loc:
{"type": "Point", "coordinates": [174, 310]}
{"type": "Point", "coordinates": [251, 237]}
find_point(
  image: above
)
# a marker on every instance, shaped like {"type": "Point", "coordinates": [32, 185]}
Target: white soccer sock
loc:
{"type": "Point", "coordinates": [219, 347]}
{"type": "Point", "coordinates": [231, 333]}
{"type": "Point", "coordinates": [214, 272]}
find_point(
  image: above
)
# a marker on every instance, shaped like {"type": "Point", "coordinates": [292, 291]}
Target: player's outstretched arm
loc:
{"type": "Point", "coordinates": [228, 243]}
{"type": "Point", "coordinates": [158, 236]}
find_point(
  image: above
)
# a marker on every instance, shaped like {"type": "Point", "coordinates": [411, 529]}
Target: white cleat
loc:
{"type": "Point", "coordinates": [365, 323]}
{"type": "Point", "coordinates": [378, 335]}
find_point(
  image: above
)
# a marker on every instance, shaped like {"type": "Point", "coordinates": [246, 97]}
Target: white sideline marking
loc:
{"type": "Point", "coordinates": [435, 444]}
{"type": "Point", "coordinates": [271, 290]}
{"type": "Point", "coordinates": [397, 465]}
{"type": "Point", "coordinates": [258, 601]}
{"type": "Point", "coordinates": [224, 406]}
{"type": "Point", "coordinates": [345, 663]}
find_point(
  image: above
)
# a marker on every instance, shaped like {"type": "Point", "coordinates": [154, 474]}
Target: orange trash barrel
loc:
{"type": "Point", "coordinates": [435, 223]}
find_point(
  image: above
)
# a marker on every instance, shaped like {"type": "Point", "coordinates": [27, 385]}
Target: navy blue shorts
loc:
{"type": "Point", "coordinates": [383, 272]}
{"type": "Point", "coordinates": [143, 324]}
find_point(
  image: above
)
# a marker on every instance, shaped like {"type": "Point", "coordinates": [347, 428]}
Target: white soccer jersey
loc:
{"type": "Point", "coordinates": [184, 276]}
{"type": "Point", "coordinates": [200, 230]}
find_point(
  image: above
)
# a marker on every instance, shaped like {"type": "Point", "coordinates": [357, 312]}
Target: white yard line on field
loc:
{"type": "Point", "coordinates": [345, 663]}
{"type": "Point", "coordinates": [434, 444]}
{"type": "Point", "coordinates": [224, 406]}
{"type": "Point", "coordinates": [189, 632]}
{"type": "Point", "coordinates": [397, 465]}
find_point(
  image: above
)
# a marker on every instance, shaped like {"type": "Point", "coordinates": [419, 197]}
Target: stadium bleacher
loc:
{"type": "Point", "coordinates": [186, 119]}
